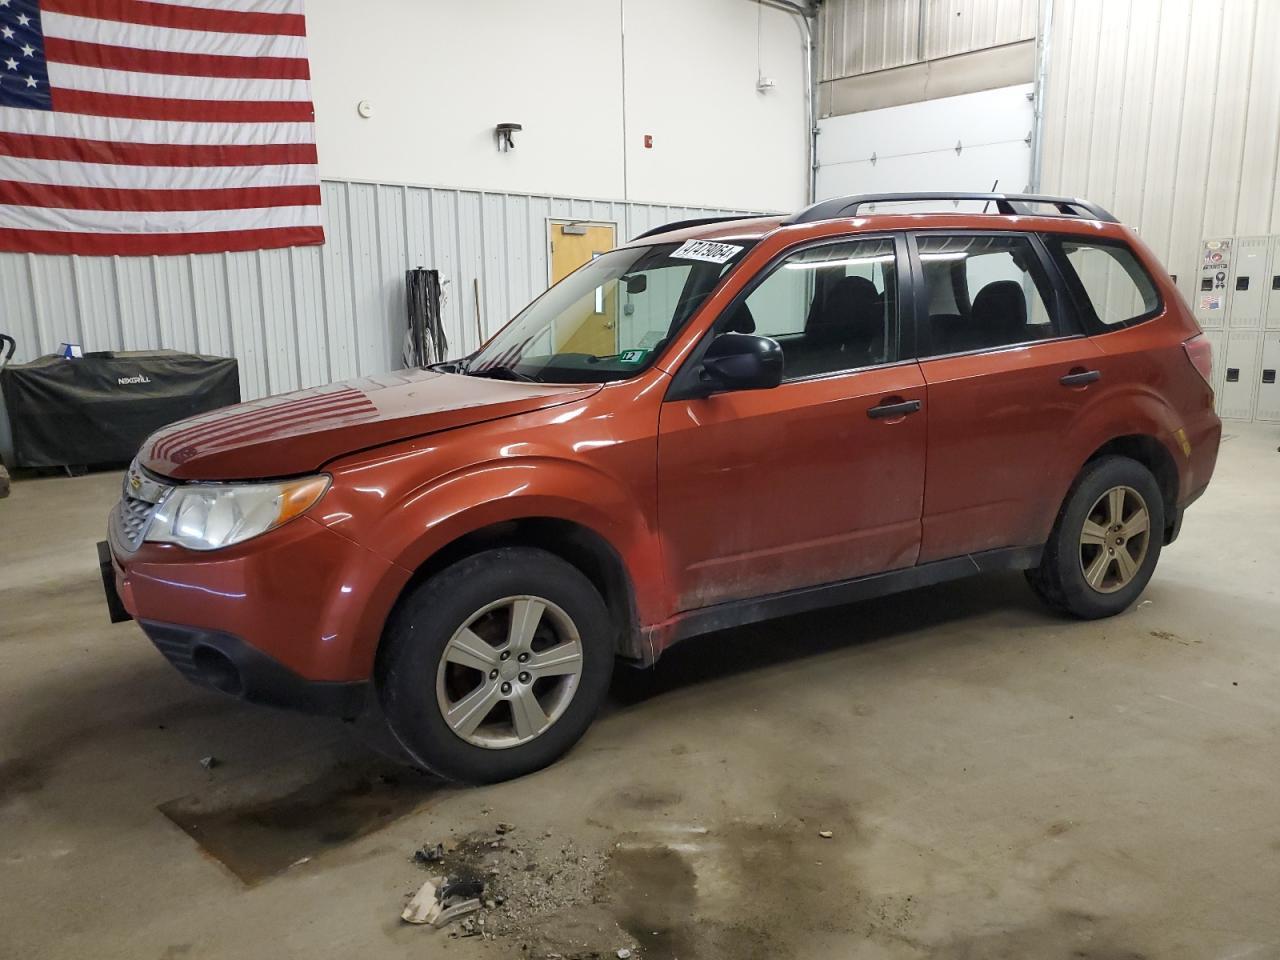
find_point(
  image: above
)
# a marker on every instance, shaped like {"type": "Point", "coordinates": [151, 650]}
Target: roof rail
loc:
{"type": "Point", "coordinates": [681, 224]}
{"type": "Point", "coordinates": [1009, 204]}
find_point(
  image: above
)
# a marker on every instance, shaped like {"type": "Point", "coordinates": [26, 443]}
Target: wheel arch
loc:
{"type": "Point", "coordinates": [1155, 456]}
{"type": "Point", "coordinates": [577, 544]}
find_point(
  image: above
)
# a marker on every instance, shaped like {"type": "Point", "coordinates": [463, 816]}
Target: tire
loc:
{"type": "Point", "coordinates": [1083, 571]}
{"type": "Point", "coordinates": [428, 666]}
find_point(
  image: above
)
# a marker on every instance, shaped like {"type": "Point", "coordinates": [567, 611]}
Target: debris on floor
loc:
{"type": "Point", "coordinates": [429, 854]}
{"type": "Point", "coordinates": [210, 762]}
{"type": "Point", "coordinates": [439, 902]}
{"type": "Point", "coordinates": [519, 891]}
{"type": "Point", "coordinates": [504, 828]}
{"type": "Point", "coordinates": [825, 834]}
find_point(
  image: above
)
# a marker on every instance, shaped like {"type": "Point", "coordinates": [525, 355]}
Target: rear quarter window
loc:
{"type": "Point", "coordinates": [1109, 283]}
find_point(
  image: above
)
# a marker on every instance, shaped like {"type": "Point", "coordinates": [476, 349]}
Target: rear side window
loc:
{"type": "Point", "coordinates": [984, 292]}
{"type": "Point", "coordinates": [1113, 288]}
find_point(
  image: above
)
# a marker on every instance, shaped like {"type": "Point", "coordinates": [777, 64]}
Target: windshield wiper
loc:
{"type": "Point", "coordinates": [502, 373]}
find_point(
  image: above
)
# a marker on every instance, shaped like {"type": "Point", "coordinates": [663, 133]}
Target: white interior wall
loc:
{"type": "Point", "coordinates": [915, 145]}
{"type": "Point", "coordinates": [439, 74]}
{"type": "Point", "coordinates": [1169, 115]}
{"type": "Point", "coordinates": [304, 316]}
{"type": "Point", "coordinates": [421, 183]}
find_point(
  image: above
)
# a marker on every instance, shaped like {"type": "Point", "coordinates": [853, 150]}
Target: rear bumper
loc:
{"type": "Point", "coordinates": [1199, 442]}
{"type": "Point", "coordinates": [222, 662]}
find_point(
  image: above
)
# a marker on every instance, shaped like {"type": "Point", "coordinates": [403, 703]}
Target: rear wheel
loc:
{"type": "Point", "coordinates": [496, 666]}
{"type": "Point", "coordinates": [1106, 542]}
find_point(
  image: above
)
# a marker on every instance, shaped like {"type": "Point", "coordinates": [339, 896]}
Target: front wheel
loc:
{"type": "Point", "coordinates": [496, 665]}
{"type": "Point", "coordinates": [1106, 542]}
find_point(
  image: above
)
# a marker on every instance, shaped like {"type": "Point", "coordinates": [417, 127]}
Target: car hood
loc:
{"type": "Point", "coordinates": [299, 432]}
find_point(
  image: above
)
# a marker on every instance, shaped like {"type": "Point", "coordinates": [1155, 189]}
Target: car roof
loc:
{"type": "Point", "coordinates": [844, 215]}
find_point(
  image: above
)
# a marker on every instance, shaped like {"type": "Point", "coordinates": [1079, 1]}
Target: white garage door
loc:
{"type": "Point", "coordinates": [962, 143]}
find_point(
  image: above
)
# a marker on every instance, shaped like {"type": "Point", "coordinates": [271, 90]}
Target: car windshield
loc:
{"type": "Point", "coordinates": [609, 319]}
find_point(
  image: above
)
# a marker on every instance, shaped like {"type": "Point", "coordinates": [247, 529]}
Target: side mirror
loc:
{"type": "Point", "coordinates": [742, 361]}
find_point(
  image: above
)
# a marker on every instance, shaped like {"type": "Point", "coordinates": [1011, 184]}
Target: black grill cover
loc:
{"type": "Point", "coordinates": [100, 407]}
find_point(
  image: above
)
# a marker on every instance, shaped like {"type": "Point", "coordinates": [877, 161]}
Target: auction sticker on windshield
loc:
{"type": "Point", "coordinates": [706, 250]}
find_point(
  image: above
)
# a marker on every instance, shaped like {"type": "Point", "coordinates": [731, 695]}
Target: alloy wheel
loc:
{"type": "Point", "coordinates": [509, 672]}
{"type": "Point", "coordinates": [1114, 539]}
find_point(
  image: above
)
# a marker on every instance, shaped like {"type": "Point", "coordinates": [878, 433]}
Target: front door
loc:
{"type": "Point", "coordinates": [572, 245]}
{"type": "Point", "coordinates": [996, 344]}
{"type": "Point", "coordinates": [821, 478]}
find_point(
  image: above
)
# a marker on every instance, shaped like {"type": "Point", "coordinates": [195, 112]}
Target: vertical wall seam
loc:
{"type": "Point", "coordinates": [1120, 127]}
{"type": "Point", "coordinates": [77, 297]}
{"type": "Point", "coordinates": [1213, 126]}
{"type": "Point", "coordinates": [351, 273]}
{"type": "Point", "coordinates": [1272, 225]}
{"type": "Point", "coordinates": [1140, 225]}
{"type": "Point", "coordinates": [298, 335]}
{"type": "Point", "coordinates": [1177, 153]}
{"type": "Point", "coordinates": [265, 356]}
{"type": "Point", "coordinates": [190, 265]}
{"type": "Point", "coordinates": [622, 59]}
{"type": "Point", "coordinates": [231, 326]}
{"type": "Point", "coordinates": [464, 295]}
{"type": "Point", "coordinates": [155, 293]}
{"type": "Point", "coordinates": [115, 276]}
{"type": "Point", "coordinates": [1244, 124]}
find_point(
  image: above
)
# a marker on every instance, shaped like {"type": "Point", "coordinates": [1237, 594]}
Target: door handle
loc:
{"type": "Point", "coordinates": [1079, 378]}
{"type": "Point", "coordinates": [898, 408]}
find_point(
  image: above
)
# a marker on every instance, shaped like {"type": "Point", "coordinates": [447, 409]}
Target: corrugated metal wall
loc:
{"type": "Point", "coordinates": [861, 36]}
{"type": "Point", "coordinates": [1169, 115]}
{"type": "Point", "coordinates": [309, 315]}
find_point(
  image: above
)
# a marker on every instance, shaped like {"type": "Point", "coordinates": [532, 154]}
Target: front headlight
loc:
{"type": "Point", "coordinates": [206, 516]}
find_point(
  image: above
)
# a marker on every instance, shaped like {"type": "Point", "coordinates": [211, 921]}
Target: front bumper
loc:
{"type": "Point", "coordinates": [299, 602]}
{"type": "Point", "coordinates": [225, 663]}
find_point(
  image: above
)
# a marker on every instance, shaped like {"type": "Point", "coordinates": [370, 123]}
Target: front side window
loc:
{"type": "Point", "coordinates": [984, 292]}
{"type": "Point", "coordinates": [609, 319]}
{"type": "Point", "coordinates": [831, 308]}
{"type": "Point", "coordinates": [1116, 290]}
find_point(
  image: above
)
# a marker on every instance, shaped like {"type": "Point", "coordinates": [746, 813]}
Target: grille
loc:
{"type": "Point", "coordinates": [139, 499]}
{"type": "Point", "coordinates": [135, 515]}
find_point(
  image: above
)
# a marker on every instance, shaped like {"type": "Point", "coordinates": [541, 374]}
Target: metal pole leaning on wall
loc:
{"type": "Point", "coordinates": [1043, 32]}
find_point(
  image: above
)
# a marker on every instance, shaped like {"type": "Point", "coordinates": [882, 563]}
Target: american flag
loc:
{"type": "Point", "coordinates": [137, 127]}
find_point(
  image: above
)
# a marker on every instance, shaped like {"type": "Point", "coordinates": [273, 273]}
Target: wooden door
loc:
{"type": "Point", "coordinates": [572, 245]}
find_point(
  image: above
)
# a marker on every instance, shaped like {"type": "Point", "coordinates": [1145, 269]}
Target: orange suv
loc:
{"type": "Point", "coordinates": [717, 423]}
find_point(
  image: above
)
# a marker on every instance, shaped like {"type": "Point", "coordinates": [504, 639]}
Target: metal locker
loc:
{"type": "Point", "coordinates": [1239, 375]}
{"type": "Point", "coordinates": [1249, 282]}
{"type": "Point", "coordinates": [1212, 295]}
{"type": "Point", "coordinates": [1268, 405]}
{"type": "Point", "coordinates": [1272, 311]}
{"type": "Point", "coordinates": [1217, 341]}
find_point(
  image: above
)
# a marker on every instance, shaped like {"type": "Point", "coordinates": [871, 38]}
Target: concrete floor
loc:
{"type": "Point", "coordinates": [998, 782]}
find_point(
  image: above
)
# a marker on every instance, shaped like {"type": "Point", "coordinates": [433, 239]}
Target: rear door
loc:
{"type": "Point", "coordinates": [1007, 370]}
{"type": "Point", "coordinates": [821, 478]}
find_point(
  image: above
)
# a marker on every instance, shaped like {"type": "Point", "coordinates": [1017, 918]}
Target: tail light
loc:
{"type": "Point", "coordinates": [1200, 353]}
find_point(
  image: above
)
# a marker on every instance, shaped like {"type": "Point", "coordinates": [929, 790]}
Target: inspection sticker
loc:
{"type": "Point", "coordinates": [1211, 303]}
{"type": "Point", "coordinates": [706, 250]}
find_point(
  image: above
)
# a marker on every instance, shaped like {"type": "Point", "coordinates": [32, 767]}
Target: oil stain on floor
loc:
{"type": "Point", "coordinates": [259, 830]}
